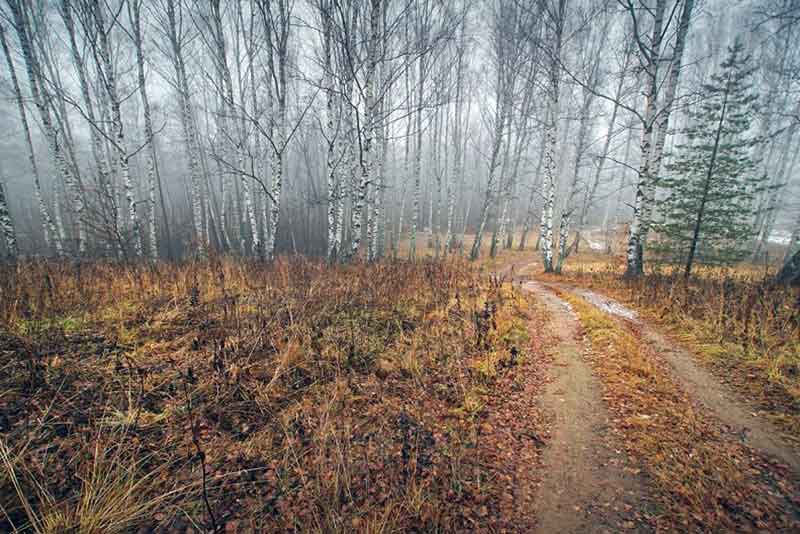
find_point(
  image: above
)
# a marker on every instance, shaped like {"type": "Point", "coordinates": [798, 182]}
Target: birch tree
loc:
{"type": "Point", "coordinates": [367, 151]}
{"type": "Point", "coordinates": [506, 50]}
{"type": "Point", "coordinates": [42, 101]}
{"type": "Point", "coordinates": [455, 175]}
{"type": "Point", "coordinates": [109, 79]}
{"type": "Point", "coordinates": [332, 125]}
{"type": "Point", "coordinates": [97, 133]}
{"type": "Point", "coordinates": [51, 236]}
{"type": "Point", "coordinates": [153, 176]}
{"type": "Point", "coordinates": [556, 15]}
{"type": "Point", "coordinates": [7, 225]}
{"type": "Point", "coordinates": [422, 31]}
{"type": "Point", "coordinates": [276, 23]}
{"type": "Point", "coordinates": [654, 119]}
{"type": "Point", "coordinates": [190, 141]}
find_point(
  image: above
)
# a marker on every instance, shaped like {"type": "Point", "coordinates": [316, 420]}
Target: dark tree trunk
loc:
{"type": "Point", "coordinates": [790, 272]}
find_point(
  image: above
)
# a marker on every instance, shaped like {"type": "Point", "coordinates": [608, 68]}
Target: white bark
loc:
{"type": "Point", "coordinates": [41, 100]}
{"type": "Point", "coordinates": [375, 111]}
{"type": "Point", "coordinates": [662, 121]}
{"type": "Point", "coordinates": [117, 126]}
{"type": "Point", "coordinates": [7, 225]}
{"type": "Point", "coordinates": [549, 187]}
{"type": "Point", "coordinates": [151, 154]}
{"type": "Point", "coordinates": [50, 232]}
{"type": "Point", "coordinates": [455, 175]}
{"type": "Point", "coordinates": [551, 131]}
{"type": "Point", "coordinates": [421, 41]}
{"type": "Point", "coordinates": [644, 186]}
{"type": "Point", "coordinates": [98, 152]}
{"type": "Point", "coordinates": [187, 124]}
{"type": "Point", "coordinates": [367, 156]}
{"type": "Point", "coordinates": [527, 224]}
{"type": "Point", "coordinates": [276, 27]}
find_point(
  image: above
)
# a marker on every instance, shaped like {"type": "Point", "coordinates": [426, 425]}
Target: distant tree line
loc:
{"type": "Point", "coordinates": [343, 128]}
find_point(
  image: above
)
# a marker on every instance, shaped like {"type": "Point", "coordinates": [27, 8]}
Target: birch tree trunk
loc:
{"type": "Point", "coordinates": [638, 227]}
{"type": "Point", "coordinates": [623, 174]}
{"type": "Point", "coordinates": [117, 126]}
{"type": "Point", "coordinates": [7, 225]}
{"type": "Point", "coordinates": [455, 175]}
{"type": "Point", "coordinates": [153, 178]}
{"type": "Point", "coordinates": [377, 26]}
{"type": "Point", "coordinates": [551, 132]}
{"type": "Point", "coordinates": [331, 129]}
{"type": "Point", "coordinates": [276, 27]}
{"type": "Point", "coordinates": [51, 236]}
{"type": "Point", "coordinates": [381, 139]}
{"type": "Point", "coordinates": [569, 207]}
{"type": "Point", "coordinates": [662, 118]}
{"type": "Point", "coordinates": [527, 225]}
{"type": "Point", "coordinates": [189, 134]}
{"type": "Point", "coordinates": [504, 24]}
{"type": "Point", "coordinates": [497, 139]}
{"type": "Point", "coordinates": [98, 151]}
{"type": "Point", "coordinates": [503, 186]}
{"type": "Point", "coordinates": [415, 219]}
{"type": "Point", "coordinates": [41, 100]}
{"type": "Point", "coordinates": [367, 156]}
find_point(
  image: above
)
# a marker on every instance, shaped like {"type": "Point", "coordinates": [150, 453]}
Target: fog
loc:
{"type": "Point", "coordinates": [342, 128]}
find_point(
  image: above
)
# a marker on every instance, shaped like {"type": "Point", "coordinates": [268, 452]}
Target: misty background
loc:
{"type": "Point", "coordinates": [162, 128]}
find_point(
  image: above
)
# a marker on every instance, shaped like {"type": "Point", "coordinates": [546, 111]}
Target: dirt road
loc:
{"type": "Point", "coordinates": [587, 487]}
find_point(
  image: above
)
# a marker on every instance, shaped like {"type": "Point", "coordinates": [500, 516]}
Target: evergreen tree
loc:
{"type": "Point", "coordinates": [712, 179]}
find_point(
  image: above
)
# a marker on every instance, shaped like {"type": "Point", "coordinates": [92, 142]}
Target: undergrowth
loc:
{"type": "Point", "coordinates": [234, 396]}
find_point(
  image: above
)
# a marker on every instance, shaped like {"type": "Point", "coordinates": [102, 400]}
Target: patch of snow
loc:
{"type": "Point", "coordinates": [594, 245]}
{"type": "Point", "coordinates": [780, 237]}
{"type": "Point", "coordinates": [610, 306]}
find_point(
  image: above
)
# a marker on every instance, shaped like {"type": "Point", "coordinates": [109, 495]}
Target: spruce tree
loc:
{"type": "Point", "coordinates": [711, 179]}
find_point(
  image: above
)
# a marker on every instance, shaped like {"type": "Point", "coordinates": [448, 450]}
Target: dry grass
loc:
{"type": "Point", "coordinates": [115, 493]}
{"type": "Point", "coordinates": [246, 397]}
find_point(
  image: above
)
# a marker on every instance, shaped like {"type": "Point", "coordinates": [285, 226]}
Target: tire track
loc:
{"type": "Point", "coordinates": [586, 487]}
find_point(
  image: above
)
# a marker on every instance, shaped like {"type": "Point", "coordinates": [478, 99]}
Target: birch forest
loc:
{"type": "Point", "coordinates": [399, 266]}
{"type": "Point", "coordinates": [344, 129]}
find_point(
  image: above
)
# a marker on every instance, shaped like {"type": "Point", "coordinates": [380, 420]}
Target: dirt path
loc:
{"type": "Point", "coordinates": [588, 485]}
{"type": "Point", "coordinates": [704, 387]}
{"type": "Point", "coordinates": [586, 488]}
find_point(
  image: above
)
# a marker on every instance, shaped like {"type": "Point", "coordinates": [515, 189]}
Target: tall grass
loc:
{"type": "Point", "coordinates": [230, 394]}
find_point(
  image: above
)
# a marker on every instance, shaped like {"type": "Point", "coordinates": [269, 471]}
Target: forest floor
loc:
{"type": "Point", "coordinates": [434, 396]}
